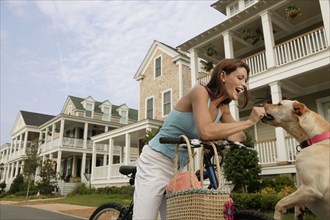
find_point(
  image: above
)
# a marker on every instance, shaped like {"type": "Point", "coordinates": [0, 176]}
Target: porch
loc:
{"type": "Point", "coordinates": [108, 175]}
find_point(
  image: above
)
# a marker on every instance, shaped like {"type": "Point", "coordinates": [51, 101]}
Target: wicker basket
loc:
{"type": "Point", "coordinates": [197, 204]}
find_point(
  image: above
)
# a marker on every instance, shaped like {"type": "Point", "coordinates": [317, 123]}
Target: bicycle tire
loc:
{"type": "Point", "coordinates": [250, 215]}
{"type": "Point", "coordinates": [110, 210]}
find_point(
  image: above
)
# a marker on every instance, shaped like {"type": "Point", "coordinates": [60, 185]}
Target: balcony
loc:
{"type": "Point", "coordinates": [302, 46]}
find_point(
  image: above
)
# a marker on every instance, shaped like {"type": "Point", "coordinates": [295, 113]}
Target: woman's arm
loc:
{"type": "Point", "coordinates": [207, 129]}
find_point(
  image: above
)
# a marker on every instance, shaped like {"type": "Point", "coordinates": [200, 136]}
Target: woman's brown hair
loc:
{"type": "Point", "coordinates": [215, 85]}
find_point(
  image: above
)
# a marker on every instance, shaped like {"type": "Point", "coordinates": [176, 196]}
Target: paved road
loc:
{"type": "Point", "coordinates": [15, 212]}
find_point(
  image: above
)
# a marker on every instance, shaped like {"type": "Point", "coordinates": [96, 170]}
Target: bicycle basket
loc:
{"type": "Point", "coordinates": [197, 204]}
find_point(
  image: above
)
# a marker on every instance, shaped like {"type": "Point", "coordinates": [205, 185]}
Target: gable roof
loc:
{"type": "Point", "coordinates": [35, 119]}
{"type": "Point", "coordinates": [132, 113]}
{"type": "Point", "coordinates": [173, 52]}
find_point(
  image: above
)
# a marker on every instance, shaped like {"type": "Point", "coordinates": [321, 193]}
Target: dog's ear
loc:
{"type": "Point", "coordinates": [299, 108]}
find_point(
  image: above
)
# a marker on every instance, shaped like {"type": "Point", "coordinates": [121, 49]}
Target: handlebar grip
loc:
{"type": "Point", "coordinates": [171, 140]}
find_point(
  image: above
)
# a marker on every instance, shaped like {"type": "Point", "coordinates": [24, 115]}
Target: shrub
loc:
{"type": "Point", "coordinates": [17, 184]}
{"type": "Point", "coordinates": [81, 189]}
{"type": "Point", "coordinates": [256, 201]}
{"type": "Point", "coordinates": [3, 185]}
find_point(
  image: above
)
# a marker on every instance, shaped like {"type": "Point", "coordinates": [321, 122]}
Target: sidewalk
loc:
{"type": "Point", "coordinates": [83, 212]}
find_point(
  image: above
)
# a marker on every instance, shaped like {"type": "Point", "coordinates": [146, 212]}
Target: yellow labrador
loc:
{"type": "Point", "coordinates": [312, 162]}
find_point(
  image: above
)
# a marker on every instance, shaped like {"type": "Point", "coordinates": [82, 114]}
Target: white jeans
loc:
{"type": "Point", "coordinates": [154, 171]}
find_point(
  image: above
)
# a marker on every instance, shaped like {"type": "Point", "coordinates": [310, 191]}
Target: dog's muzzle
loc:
{"type": "Point", "coordinates": [267, 117]}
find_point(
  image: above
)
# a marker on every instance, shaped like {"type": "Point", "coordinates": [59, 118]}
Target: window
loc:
{"type": "Point", "coordinates": [150, 108]}
{"type": "Point", "coordinates": [247, 3]}
{"type": "Point", "coordinates": [323, 107]}
{"type": "Point", "coordinates": [167, 102]}
{"type": "Point", "coordinates": [158, 67]}
{"type": "Point", "coordinates": [89, 110]}
{"type": "Point", "coordinates": [106, 113]}
{"type": "Point", "coordinates": [123, 116]}
{"type": "Point", "coordinates": [234, 8]}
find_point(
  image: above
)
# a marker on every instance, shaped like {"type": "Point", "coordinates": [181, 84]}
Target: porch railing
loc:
{"type": "Point", "coordinates": [301, 46]}
{"type": "Point", "coordinates": [267, 152]}
{"type": "Point", "coordinates": [296, 48]}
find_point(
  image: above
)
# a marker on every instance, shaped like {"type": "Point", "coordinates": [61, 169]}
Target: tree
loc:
{"type": "Point", "coordinates": [242, 168]}
{"type": "Point", "coordinates": [17, 184]}
{"type": "Point", "coordinates": [30, 165]}
{"type": "Point", "coordinates": [47, 174]}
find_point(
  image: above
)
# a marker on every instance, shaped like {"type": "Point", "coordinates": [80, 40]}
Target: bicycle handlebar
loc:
{"type": "Point", "coordinates": [195, 143]}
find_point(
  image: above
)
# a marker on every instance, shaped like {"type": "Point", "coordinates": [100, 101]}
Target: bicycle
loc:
{"type": "Point", "coordinates": [115, 210]}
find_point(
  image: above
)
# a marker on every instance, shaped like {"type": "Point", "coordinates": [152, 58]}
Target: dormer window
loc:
{"type": "Point", "coordinates": [247, 3]}
{"type": "Point", "coordinates": [88, 110]}
{"type": "Point", "coordinates": [158, 67]}
{"type": "Point", "coordinates": [234, 8]}
{"type": "Point", "coordinates": [123, 113]}
{"type": "Point", "coordinates": [106, 113]}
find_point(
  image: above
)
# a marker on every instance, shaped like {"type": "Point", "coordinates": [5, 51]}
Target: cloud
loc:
{"type": "Point", "coordinates": [90, 48]}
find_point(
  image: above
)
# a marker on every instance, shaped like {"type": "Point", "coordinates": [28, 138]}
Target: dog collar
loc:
{"type": "Point", "coordinates": [313, 140]}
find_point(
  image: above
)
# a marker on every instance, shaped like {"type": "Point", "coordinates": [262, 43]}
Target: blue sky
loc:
{"type": "Point", "coordinates": [52, 49]}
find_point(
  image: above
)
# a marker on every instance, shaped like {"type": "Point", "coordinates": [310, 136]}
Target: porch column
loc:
{"type": "Point", "coordinates": [20, 144]}
{"type": "Point", "coordinates": [52, 137]}
{"type": "Point", "coordinates": [59, 159]}
{"type": "Point", "coordinates": [16, 170]}
{"type": "Point", "coordinates": [85, 135]}
{"type": "Point", "coordinates": [11, 147]}
{"type": "Point", "coordinates": [127, 148]}
{"type": "Point", "coordinates": [193, 66]}
{"type": "Point", "coordinates": [25, 142]}
{"type": "Point", "coordinates": [325, 10]}
{"type": "Point", "coordinates": [276, 92]}
{"type": "Point", "coordinates": [10, 172]}
{"type": "Point", "coordinates": [228, 43]}
{"type": "Point", "coordinates": [83, 165]}
{"type": "Point", "coordinates": [61, 133]}
{"type": "Point", "coordinates": [110, 162]}
{"type": "Point", "coordinates": [233, 107]}
{"type": "Point", "coordinates": [93, 161]}
{"type": "Point", "coordinates": [267, 28]}
{"type": "Point", "coordinates": [74, 165]}
{"type": "Point", "coordinates": [22, 166]}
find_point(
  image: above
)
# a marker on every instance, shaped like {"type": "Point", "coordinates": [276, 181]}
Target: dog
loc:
{"type": "Point", "coordinates": [312, 162]}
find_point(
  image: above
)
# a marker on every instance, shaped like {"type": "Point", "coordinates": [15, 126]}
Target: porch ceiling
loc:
{"type": "Point", "coordinates": [250, 19]}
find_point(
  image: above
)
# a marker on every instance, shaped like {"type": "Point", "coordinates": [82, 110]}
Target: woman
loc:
{"type": "Point", "coordinates": [196, 115]}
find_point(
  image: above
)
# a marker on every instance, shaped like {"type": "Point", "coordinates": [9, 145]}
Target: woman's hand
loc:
{"type": "Point", "coordinates": [257, 114]}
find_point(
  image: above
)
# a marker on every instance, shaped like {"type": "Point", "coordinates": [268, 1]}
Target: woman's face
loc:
{"type": "Point", "coordinates": [234, 83]}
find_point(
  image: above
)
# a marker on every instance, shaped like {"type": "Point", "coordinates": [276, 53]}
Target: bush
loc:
{"type": "Point", "coordinates": [3, 185]}
{"type": "Point", "coordinates": [278, 183]}
{"type": "Point", "coordinates": [256, 201]}
{"type": "Point", "coordinates": [81, 189]}
{"type": "Point", "coordinates": [17, 184]}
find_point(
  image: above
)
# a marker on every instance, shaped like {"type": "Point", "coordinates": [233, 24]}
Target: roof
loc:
{"type": "Point", "coordinates": [35, 119]}
{"type": "Point", "coordinates": [132, 113]}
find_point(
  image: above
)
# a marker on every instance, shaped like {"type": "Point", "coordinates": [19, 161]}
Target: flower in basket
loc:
{"type": "Point", "coordinates": [229, 210]}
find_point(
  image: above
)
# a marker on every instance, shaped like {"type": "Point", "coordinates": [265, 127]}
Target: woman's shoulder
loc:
{"type": "Point", "coordinates": [199, 89]}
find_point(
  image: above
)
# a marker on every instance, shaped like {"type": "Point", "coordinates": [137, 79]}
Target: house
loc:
{"type": "Point", "coordinates": [286, 45]}
{"type": "Point", "coordinates": [66, 139]}
{"type": "Point", "coordinates": [288, 55]}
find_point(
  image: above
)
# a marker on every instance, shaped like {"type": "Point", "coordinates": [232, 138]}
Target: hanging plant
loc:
{"type": "Point", "coordinates": [292, 11]}
{"type": "Point", "coordinates": [207, 66]}
{"type": "Point", "coordinates": [209, 50]}
{"type": "Point", "coordinates": [247, 34]}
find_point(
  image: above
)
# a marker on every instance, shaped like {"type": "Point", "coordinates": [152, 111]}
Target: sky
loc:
{"type": "Point", "coordinates": [53, 49]}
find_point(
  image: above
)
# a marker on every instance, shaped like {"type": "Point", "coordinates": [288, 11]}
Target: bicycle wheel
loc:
{"type": "Point", "coordinates": [110, 211]}
{"type": "Point", "coordinates": [250, 215]}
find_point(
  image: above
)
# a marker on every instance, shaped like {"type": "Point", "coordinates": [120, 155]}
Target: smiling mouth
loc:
{"type": "Point", "coordinates": [239, 90]}
{"type": "Point", "coordinates": [267, 117]}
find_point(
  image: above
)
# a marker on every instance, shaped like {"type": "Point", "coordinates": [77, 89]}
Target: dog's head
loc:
{"type": "Point", "coordinates": [284, 112]}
